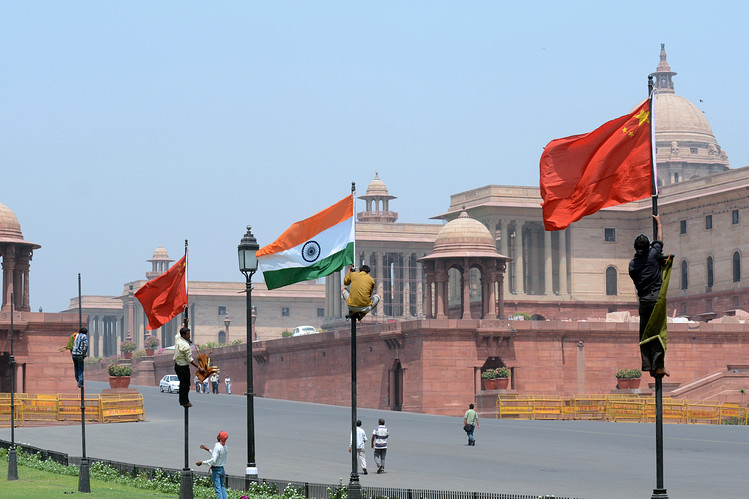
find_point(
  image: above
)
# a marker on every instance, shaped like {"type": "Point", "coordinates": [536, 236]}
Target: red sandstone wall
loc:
{"type": "Point", "coordinates": [441, 360]}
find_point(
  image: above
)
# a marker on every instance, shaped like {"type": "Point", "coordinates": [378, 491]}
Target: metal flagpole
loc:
{"type": "Point", "coordinates": [84, 482]}
{"type": "Point", "coordinates": [186, 481]}
{"type": "Point", "coordinates": [354, 487]}
{"type": "Point", "coordinates": [12, 458]}
{"type": "Point", "coordinates": [660, 491]}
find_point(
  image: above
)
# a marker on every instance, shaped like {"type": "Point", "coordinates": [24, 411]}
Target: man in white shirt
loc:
{"type": "Point", "coordinates": [361, 439]}
{"type": "Point", "coordinates": [380, 445]}
{"type": "Point", "coordinates": [217, 463]}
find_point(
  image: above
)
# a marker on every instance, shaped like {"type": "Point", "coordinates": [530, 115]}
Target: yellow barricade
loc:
{"type": "Point", "coordinates": [515, 408]}
{"type": "Point", "coordinates": [121, 408]}
{"type": "Point", "coordinates": [625, 409]}
{"type": "Point", "coordinates": [704, 413]}
{"type": "Point", "coordinates": [40, 407]}
{"type": "Point", "coordinates": [589, 406]}
{"type": "Point", "coordinates": [69, 408]}
{"type": "Point", "coordinates": [674, 410]}
{"type": "Point", "coordinates": [5, 412]}
{"type": "Point", "coordinates": [547, 407]}
{"type": "Point", "coordinates": [734, 411]}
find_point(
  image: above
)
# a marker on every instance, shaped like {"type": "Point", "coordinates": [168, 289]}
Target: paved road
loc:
{"type": "Point", "coordinates": [309, 442]}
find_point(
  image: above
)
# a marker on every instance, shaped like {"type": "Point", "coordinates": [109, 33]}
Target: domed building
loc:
{"type": "Point", "coordinates": [685, 145]}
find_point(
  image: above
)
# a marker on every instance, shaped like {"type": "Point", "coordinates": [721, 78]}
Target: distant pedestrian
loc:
{"type": "Point", "coordinates": [227, 382]}
{"type": "Point", "coordinates": [214, 383]}
{"type": "Point", "coordinates": [80, 352]}
{"type": "Point", "coordinates": [361, 439]}
{"type": "Point", "coordinates": [198, 384]}
{"type": "Point", "coordinates": [217, 463]}
{"type": "Point", "coordinates": [380, 445]}
{"type": "Point", "coordinates": [470, 423]}
{"type": "Point", "coordinates": [207, 385]}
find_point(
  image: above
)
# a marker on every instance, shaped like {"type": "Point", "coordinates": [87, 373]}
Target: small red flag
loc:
{"type": "Point", "coordinates": [164, 297]}
{"type": "Point", "coordinates": [609, 166]}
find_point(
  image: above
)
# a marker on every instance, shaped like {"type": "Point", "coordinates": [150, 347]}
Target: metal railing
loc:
{"type": "Point", "coordinates": [310, 490]}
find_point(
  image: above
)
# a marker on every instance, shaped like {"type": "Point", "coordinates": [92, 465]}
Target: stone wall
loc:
{"type": "Point", "coordinates": [435, 364]}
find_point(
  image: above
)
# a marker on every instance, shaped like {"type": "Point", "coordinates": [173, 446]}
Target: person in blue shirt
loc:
{"type": "Point", "coordinates": [80, 352]}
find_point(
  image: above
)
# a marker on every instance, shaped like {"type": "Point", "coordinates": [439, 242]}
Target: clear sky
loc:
{"type": "Point", "coordinates": [129, 125]}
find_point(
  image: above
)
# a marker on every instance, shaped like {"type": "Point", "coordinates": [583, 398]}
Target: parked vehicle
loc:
{"type": "Point", "coordinates": [169, 383]}
{"type": "Point", "coordinates": [304, 330]}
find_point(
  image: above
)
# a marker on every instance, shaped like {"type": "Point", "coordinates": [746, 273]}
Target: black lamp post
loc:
{"type": "Point", "coordinates": [227, 322]}
{"type": "Point", "coordinates": [12, 458]}
{"type": "Point", "coordinates": [247, 251]}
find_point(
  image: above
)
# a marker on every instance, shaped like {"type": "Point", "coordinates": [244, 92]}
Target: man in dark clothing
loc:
{"type": "Point", "coordinates": [645, 269]}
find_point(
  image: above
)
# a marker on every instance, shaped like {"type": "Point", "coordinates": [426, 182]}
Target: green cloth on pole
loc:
{"type": "Point", "coordinates": [656, 327]}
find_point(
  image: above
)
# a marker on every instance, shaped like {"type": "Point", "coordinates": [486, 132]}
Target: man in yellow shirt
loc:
{"type": "Point", "coordinates": [362, 298]}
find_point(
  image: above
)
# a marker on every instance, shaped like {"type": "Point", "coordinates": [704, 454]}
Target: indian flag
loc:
{"type": "Point", "coordinates": [312, 248]}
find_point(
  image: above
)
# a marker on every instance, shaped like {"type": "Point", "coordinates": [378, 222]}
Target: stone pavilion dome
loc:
{"type": "Point", "coordinates": [378, 188]}
{"type": "Point", "coordinates": [10, 229]}
{"type": "Point", "coordinates": [464, 236]}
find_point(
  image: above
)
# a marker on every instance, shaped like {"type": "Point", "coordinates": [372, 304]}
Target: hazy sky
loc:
{"type": "Point", "coordinates": [129, 125]}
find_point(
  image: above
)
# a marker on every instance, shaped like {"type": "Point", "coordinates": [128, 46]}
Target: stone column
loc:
{"type": "Point", "coordinates": [406, 284]}
{"type": "Point", "coordinates": [501, 298]}
{"type": "Point", "coordinates": [9, 262]}
{"type": "Point", "coordinates": [491, 302]}
{"type": "Point", "coordinates": [420, 290]}
{"type": "Point", "coordinates": [440, 291]}
{"type": "Point", "coordinates": [466, 291]}
{"type": "Point", "coordinates": [548, 276]}
{"type": "Point", "coordinates": [519, 250]}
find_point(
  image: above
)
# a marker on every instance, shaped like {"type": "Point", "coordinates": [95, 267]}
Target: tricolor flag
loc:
{"type": "Point", "coordinates": [609, 166]}
{"type": "Point", "coordinates": [312, 248]}
{"type": "Point", "coordinates": [165, 297]}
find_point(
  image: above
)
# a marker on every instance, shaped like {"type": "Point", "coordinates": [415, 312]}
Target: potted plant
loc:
{"type": "Point", "coordinates": [496, 379]}
{"type": "Point", "coordinates": [127, 348]}
{"type": "Point", "coordinates": [119, 375]}
{"type": "Point", "coordinates": [151, 343]}
{"type": "Point", "coordinates": [628, 378]}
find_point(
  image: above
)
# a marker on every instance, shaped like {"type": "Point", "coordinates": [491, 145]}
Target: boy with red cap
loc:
{"type": "Point", "coordinates": [217, 462]}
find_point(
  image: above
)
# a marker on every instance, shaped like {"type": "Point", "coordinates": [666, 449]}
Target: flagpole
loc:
{"type": "Point", "coordinates": [84, 481]}
{"type": "Point", "coordinates": [187, 286]}
{"type": "Point", "coordinates": [353, 195]}
{"type": "Point", "coordinates": [660, 491]}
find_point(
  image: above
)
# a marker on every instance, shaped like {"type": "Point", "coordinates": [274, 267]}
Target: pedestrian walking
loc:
{"type": "Point", "coordinates": [217, 463]}
{"type": "Point", "coordinates": [380, 445]}
{"type": "Point", "coordinates": [470, 423]}
{"type": "Point", "coordinates": [198, 384]}
{"type": "Point", "coordinates": [207, 385]}
{"type": "Point", "coordinates": [361, 439]}
{"type": "Point", "coordinates": [227, 382]}
{"type": "Point", "coordinates": [214, 383]}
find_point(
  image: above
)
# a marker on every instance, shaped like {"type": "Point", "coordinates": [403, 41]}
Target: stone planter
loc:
{"type": "Point", "coordinates": [628, 384]}
{"type": "Point", "coordinates": [623, 384]}
{"type": "Point", "coordinates": [496, 384]}
{"type": "Point", "coordinates": [119, 381]}
{"type": "Point", "coordinates": [128, 355]}
{"type": "Point", "coordinates": [149, 352]}
{"type": "Point", "coordinates": [634, 383]}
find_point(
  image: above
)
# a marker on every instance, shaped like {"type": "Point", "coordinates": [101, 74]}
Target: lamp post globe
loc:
{"type": "Point", "coordinates": [247, 253]}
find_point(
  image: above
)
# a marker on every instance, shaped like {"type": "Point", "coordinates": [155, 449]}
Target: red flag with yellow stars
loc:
{"type": "Point", "coordinates": [609, 166]}
{"type": "Point", "coordinates": [164, 297]}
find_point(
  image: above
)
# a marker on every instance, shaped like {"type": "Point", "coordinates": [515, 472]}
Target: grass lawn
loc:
{"type": "Point", "coordinates": [38, 484]}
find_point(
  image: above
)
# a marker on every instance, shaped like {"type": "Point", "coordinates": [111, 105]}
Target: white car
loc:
{"type": "Point", "coordinates": [304, 330]}
{"type": "Point", "coordinates": [169, 383]}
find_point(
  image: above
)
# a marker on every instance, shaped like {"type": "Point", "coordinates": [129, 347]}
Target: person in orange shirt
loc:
{"type": "Point", "coordinates": [362, 298]}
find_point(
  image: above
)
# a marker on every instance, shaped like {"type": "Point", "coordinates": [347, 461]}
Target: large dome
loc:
{"type": "Point", "coordinates": [686, 147]}
{"type": "Point", "coordinates": [465, 236]}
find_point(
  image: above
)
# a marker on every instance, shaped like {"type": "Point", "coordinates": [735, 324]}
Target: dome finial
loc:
{"type": "Point", "coordinates": [663, 75]}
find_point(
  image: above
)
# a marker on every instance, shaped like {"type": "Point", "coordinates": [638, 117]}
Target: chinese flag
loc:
{"type": "Point", "coordinates": [165, 296]}
{"type": "Point", "coordinates": [609, 166]}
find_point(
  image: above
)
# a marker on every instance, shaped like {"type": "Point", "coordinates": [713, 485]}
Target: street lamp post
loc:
{"type": "Point", "coordinates": [12, 458]}
{"type": "Point", "coordinates": [227, 322]}
{"type": "Point", "coordinates": [247, 252]}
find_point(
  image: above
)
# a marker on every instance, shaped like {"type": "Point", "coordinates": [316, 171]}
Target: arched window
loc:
{"type": "Point", "coordinates": [684, 275]}
{"type": "Point", "coordinates": [221, 337]}
{"type": "Point", "coordinates": [736, 266]}
{"type": "Point", "coordinates": [709, 272]}
{"type": "Point", "coordinates": [611, 288]}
